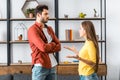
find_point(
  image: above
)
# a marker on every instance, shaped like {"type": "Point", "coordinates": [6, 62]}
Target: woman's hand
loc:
{"type": "Point", "coordinates": [70, 56]}
{"type": "Point", "coordinates": [72, 49]}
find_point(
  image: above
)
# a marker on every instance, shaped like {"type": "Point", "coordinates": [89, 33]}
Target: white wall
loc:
{"type": "Point", "coordinates": [3, 32]}
{"type": "Point", "coordinates": [113, 39]}
{"type": "Point", "coordinates": [113, 30]}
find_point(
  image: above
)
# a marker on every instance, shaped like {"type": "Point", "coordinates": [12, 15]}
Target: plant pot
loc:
{"type": "Point", "coordinates": [31, 15]}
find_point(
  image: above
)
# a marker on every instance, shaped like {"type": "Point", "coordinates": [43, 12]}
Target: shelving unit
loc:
{"type": "Point", "coordinates": [101, 20]}
{"type": "Point", "coordinates": [12, 20]}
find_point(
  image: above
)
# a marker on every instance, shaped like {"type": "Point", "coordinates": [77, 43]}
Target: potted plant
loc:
{"type": "Point", "coordinates": [20, 37]}
{"type": "Point", "coordinates": [82, 15]}
{"type": "Point", "coordinates": [30, 12]}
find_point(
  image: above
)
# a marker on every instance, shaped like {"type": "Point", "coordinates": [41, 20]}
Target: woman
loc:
{"type": "Point", "coordinates": [89, 53]}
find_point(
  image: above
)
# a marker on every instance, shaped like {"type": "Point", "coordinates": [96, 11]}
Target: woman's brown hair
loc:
{"type": "Point", "coordinates": [91, 35]}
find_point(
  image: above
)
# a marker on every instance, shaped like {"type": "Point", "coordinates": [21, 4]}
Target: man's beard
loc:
{"type": "Point", "coordinates": [44, 21]}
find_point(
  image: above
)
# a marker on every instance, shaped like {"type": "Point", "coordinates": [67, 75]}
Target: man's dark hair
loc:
{"type": "Point", "coordinates": [40, 8]}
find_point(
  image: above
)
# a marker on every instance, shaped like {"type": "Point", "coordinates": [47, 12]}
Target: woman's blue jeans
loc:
{"type": "Point", "coordinates": [40, 73]}
{"type": "Point", "coordinates": [90, 77]}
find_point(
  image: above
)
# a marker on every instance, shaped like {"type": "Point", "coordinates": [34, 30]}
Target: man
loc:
{"type": "Point", "coordinates": [44, 44]}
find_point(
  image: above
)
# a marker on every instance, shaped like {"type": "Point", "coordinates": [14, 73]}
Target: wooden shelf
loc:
{"type": "Point", "coordinates": [17, 64]}
{"type": "Point", "coordinates": [75, 63]}
{"type": "Point", "coordinates": [3, 64]}
{"type": "Point", "coordinates": [27, 19]}
{"type": "Point", "coordinates": [25, 69]}
{"type": "Point", "coordinates": [77, 41]}
{"type": "Point", "coordinates": [32, 19]}
{"type": "Point", "coordinates": [19, 41]}
{"type": "Point", "coordinates": [73, 69]}
{"type": "Point", "coordinates": [3, 42]}
{"type": "Point", "coordinates": [62, 41]}
{"type": "Point", "coordinates": [3, 19]}
{"type": "Point", "coordinates": [68, 64]}
{"type": "Point", "coordinates": [81, 18]}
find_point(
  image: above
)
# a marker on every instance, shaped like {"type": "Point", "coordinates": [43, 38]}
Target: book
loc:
{"type": "Point", "coordinates": [69, 34]}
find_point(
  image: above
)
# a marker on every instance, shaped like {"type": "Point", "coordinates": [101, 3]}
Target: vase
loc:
{"type": "Point", "coordinates": [96, 15]}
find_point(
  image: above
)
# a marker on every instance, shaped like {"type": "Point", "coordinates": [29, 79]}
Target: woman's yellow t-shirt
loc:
{"type": "Point", "coordinates": [87, 52]}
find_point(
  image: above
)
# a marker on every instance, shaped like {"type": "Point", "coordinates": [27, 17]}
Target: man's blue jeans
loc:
{"type": "Point", "coordinates": [40, 73]}
{"type": "Point", "coordinates": [90, 77]}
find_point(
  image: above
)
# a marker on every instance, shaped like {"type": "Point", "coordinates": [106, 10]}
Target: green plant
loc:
{"type": "Point", "coordinates": [82, 15]}
{"type": "Point", "coordinates": [30, 10]}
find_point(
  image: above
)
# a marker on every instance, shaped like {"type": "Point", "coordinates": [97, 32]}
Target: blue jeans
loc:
{"type": "Point", "coordinates": [90, 77]}
{"type": "Point", "coordinates": [40, 73]}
